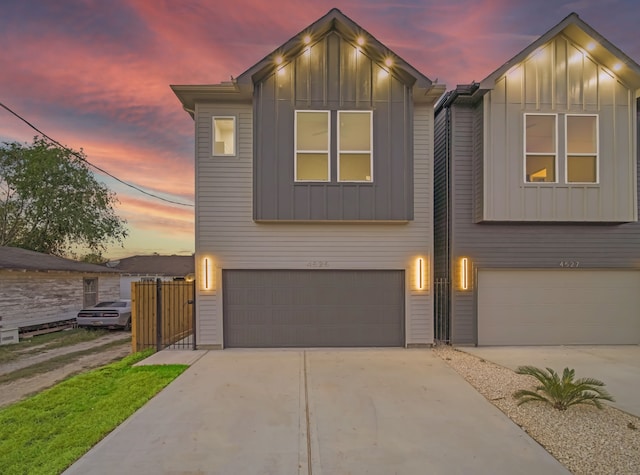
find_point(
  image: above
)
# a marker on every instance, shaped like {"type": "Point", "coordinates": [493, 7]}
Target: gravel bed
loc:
{"type": "Point", "coordinates": [585, 439]}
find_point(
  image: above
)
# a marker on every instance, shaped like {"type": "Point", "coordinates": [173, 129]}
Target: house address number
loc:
{"type": "Point", "coordinates": [318, 264]}
{"type": "Point", "coordinates": [569, 263]}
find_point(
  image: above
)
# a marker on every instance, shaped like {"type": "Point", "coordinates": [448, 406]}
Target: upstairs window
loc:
{"type": "Point", "coordinates": [354, 146]}
{"type": "Point", "coordinates": [224, 136]}
{"type": "Point", "coordinates": [582, 148]}
{"type": "Point", "coordinates": [541, 148]}
{"type": "Point", "coordinates": [312, 146]}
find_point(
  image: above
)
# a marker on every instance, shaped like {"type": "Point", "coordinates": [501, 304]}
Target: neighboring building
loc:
{"type": "Point", "coordinates": [40, 289]}
{"type": "Point", "coordinates": [314, 196]}
{"type": "Point", "coordinates": [150, 268]}
{"type": "Point", "coordinates": [536, 173]}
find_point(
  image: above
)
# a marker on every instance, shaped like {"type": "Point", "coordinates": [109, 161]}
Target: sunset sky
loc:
{"type": "Point", "coordinates": [95, 74]}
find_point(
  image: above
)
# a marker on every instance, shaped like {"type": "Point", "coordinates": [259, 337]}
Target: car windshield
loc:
{"type": "Point", "coordinates": [112, 304]}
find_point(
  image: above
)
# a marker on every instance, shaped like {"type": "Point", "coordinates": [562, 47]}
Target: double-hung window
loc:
{"type": "Point", "coordinates": [579, 158]}
{"type": "Point", "coordinates": [312, 146]}
{"type": "Point", "coordinates": [224, 136]}
{"type": "Point", "coordinates": [582, 148]}
{"type": "Point", "coordinates": [353, 146]}
{"type": "Point", "coordinates": [541, 148]}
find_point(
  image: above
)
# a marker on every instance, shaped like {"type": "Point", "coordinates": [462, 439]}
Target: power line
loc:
{"type": "Point", "coordinates": [77, 155]}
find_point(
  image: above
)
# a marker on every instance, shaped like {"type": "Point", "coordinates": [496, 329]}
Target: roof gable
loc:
{"type": "Point", "coordinates": [584, 36]}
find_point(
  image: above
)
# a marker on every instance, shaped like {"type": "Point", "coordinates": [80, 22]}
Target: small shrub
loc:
{"type": "Point", "coordinates": [562, 392]}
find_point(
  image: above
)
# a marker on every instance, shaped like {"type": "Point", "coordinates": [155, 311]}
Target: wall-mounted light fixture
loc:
{"type": "Point", "coordinates": [206, 264]}
{"type": "Point", "coordinates": [464, 273]}
{"type": "Point", "coordinates": [420, 273]}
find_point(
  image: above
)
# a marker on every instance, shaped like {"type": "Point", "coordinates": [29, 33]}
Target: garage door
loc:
{"type": "Point", "coordinates": [318, 308]}
{"type": "Point", "coordinates": [556, 307]}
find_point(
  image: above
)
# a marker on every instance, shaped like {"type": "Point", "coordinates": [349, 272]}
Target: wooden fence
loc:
{"type": "Point", "coordinates": [162, 315]}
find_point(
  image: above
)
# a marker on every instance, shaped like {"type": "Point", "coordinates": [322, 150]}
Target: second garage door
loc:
{"type": "Point", "coordinates": [558, 307]}
{"type": "Point", "coordinates": [313, 308]}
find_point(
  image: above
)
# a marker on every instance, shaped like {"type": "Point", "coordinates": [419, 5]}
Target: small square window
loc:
{"type": "Point", "coordinates": [224, 136]}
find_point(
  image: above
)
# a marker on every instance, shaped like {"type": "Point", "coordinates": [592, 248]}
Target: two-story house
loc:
{"type": "Point", "coordinates": [314, 196]}
{"type": "Point", "coordinates": [536, 197]}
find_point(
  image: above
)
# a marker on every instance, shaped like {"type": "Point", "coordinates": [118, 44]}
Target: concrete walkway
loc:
{"type": "Point", "coordinates": [617, 366]}
{"type": "Point", "coordinates": [318, 412]}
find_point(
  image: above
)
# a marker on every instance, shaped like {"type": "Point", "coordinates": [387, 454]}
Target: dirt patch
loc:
{"type": "Point", "coordinates": [118, 345]}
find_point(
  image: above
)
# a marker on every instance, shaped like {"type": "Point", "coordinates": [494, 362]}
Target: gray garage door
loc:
{"type": "Point", "coordinates": [558, 307]}
{"type": "Point", "coordinates": [313, 308]}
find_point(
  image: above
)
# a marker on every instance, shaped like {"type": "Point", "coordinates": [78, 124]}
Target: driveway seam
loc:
{"type": "Point", "coordinates": [306, 406]}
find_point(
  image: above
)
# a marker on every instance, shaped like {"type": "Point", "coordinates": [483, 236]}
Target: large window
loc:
{"type": "Point", "coordinates": [578, 159]}
{"type": "Point", "coordinates": [313, 139]}
{"type": "Point", "coordinates": [312, 146]}
{"type": "Point", "coordinates": [224, 136]}
{"type": "Point", "coordinates": [541, 148]}
{"type": "Point", "coordinates": [582, 148]}
{"type": "Point", "coordinates": [354, 146]}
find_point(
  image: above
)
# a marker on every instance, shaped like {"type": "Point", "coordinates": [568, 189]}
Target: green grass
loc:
{"type": "Point", "coordinates": [48, 341]}
{"type": "Point", "coordinates": [46, 433]}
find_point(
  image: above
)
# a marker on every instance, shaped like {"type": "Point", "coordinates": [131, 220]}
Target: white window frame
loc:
{"type": "Point", "coordinates": [566, 151]}
{"type": "Point", "coordinates": [347, 152]}
{"type": "Point", "coordinates": [296, 151]}
{"type": "Point", "coordinates": [213, 136]}
{"type": "Point", "coordinates": [526, 154]}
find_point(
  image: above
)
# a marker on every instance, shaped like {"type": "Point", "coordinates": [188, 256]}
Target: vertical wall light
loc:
{"type": "Point", "coordinates": [207, 273]}
{"type": "Point", "coordinates": [420, 280]}
{"type": "Point", "coordinates": [464, 273]}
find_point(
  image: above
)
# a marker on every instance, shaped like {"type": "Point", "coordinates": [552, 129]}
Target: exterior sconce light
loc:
{"type": "Point", "coordinates": [206, 263]}
{"type": "Point", "coordinates": [420, 268]}
{"type": "Point", "coordinates": [464, 273]}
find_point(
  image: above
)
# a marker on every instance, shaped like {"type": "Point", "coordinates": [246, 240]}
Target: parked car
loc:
{"type": "Point", "coordinates": [111, 314]}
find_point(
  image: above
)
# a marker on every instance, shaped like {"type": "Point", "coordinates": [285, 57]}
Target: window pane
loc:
{"type": "Point", "coordinates": [224, 140]}
{"type": "Point", "coordinates": [581, 134]}
{"type": "Point", "coordinates": [541, 133]}
{"type": "Point", "coordinates": [355, 131]}
{"type": "Point", "coordinates": [312, 131]}
{"type": "Point", "coordinates": [312, 166]}
{"type": "Point", "coordinates": [355, 167]}
{"type": "Point", "coordinates": [541, 168]}
{"type": "Point", "coordinates": [581, 169]}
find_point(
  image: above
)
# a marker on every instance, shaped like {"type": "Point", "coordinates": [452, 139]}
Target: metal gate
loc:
{"type": "Point", "coordinates": [163, 315]}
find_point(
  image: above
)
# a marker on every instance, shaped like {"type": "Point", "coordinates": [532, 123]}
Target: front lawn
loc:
{"type": "Point", "coordinates": [46, 433]}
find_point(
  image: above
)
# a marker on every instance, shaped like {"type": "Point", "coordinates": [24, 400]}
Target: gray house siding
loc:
{"type": "Point", "coordinates": [333, 75]}
{"type": "Point", "coordinates": [229, 238]}
{"type": "Point", "coordinates": [560, 79]}
{"type": "Point", "coordinates": [441, 195]}
{"type": "Point", "coordinates": [516, 245]}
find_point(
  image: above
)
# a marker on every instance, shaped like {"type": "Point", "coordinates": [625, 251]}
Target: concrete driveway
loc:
{"type": "Point", "coordinates": [318, 412]}
{"type": "Point", "coordinates": [617, 366]}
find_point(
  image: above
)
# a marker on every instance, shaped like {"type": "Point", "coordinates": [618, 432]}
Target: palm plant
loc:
{"type": "Point", "coordinates": [562, 392]}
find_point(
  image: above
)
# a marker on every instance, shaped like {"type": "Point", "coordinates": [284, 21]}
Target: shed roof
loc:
{"type": "Point", "coordinates": [155, 265]}
{"type": "Point", "coordinates": [582, 34]}
{"type": "Point", "coordinates": [16, 259]}
{"type": "Point", "coordinates": [241, 88]}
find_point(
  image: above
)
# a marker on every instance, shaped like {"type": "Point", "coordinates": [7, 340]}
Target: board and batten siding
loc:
{"type": "Point", "coordinates": [227, 234]}
{"type": "Point", "coordinates": [518, 245]}
{"type": "Point", "coordinates": [34, 298]}
{"type": "Point", "coordinates": [559, 78]}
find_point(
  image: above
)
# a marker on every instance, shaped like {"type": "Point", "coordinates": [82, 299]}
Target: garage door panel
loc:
{"type": "Point", "coordinates": [557, 307]}
{"type": "Point", "coordinates": [301, 308]}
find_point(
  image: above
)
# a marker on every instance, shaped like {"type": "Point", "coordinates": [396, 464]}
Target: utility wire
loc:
{"type": "Point", "coordinates": [76, 154]}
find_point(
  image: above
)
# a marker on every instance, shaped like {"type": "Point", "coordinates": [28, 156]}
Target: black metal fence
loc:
{"type": "Point", "coordinates": [163, 315]}
{"type": "Point", "coordinates": [441, 313]}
